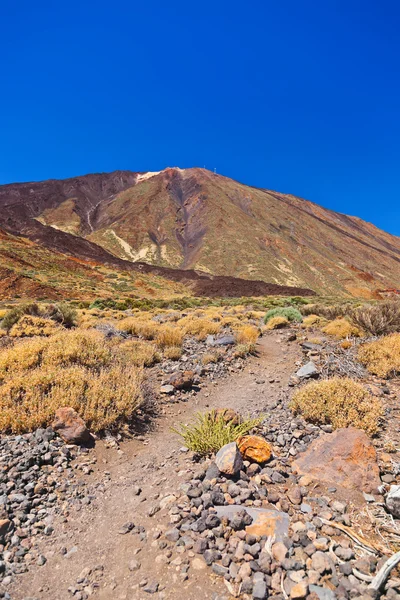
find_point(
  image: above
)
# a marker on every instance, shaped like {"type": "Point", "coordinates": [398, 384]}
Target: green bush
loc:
{"type": "Point", "coordinates": [288, 312]}
{"type": "Point", "coordinates": [209, 432]}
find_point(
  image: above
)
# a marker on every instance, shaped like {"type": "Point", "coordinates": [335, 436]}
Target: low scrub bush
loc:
{"type": "Point", "coordinates": [335, 311]}
{"type": "Point", "coordinates": [313, 321]}
{"type": "Point", "coordinates": [339, 402]}
{"type": "Point", "coordinates": [104, 399]}
{"type": "Point", "coordinates": [290, 313]}
{"type": "Point", "coordinates": [29, 326]}
{"type": "Point", "coordinates": [382, 357]}
{"type": "Point", "coordinates": [199, 327]}
{"type": "Point", "coordinates": [63, 313]}
{"type": "Point", "coordinates": [209, 432]}
{"type": "Point", "coordinates": [247, 334]}
{"type": "Point", "coordinates": [277, 323]}
{"type": "Point", "coordinates": [210, 357]}
{"type": "Point", "coordinates": [139, 327]}
{"type": "Point", "coordinates": [172, 353]}
{"type": "Point", "coordinates": [243, 350]}
{"type": "Point", "coordinates": [169, 336]}
{"type": "Point", "coordinates": [379, 319]}
{"type": "Point", "coordinates": [341, 329]}
{"type": "Point", "coordinates": [137, 353]}
{"type": "Point", "coordinates": [13, 315]}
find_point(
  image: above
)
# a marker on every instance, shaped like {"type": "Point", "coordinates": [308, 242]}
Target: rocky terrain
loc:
{"type": "Point", "coordinates": [191, 220]}
{"type": "Point", "coordinates": [295, 511]}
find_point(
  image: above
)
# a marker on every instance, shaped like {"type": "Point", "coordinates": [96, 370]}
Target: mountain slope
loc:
{"type": "Point", "coordinates": [195, 219]}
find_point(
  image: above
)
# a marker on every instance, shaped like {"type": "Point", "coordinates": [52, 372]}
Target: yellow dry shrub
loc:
{"type": "Point", "coordinates": [313, 321]}
{"type": "Point", "coordinates": [209, 357]}
{"type": "Point", "coordinates": [382, 357]}
{"type": "Point", "coordinates": [247, 334]}
{"type": "Point", "coordinates": [169, 336]}
{"type": "Point", "coordinates": [75, 347]}
{"type": "Point", "coordinates": [104, 399]}
{"type": "Point", "coordinates": [24, 355]}
{"type": "Point", "coordinates": [199, 327]}
{"type": "Point", "coordinates": [141, 328]}
{"type": "Point", "coordinates": [341, 329]}
{"type": "Point", "coordinates": [243, 350]}
{"type": "Point", "coordinates": [172, 353]}
{"type": "Point", "coordinates": [346, 344]}
{"type": "Point", "coordinates": [29, 326]}
{"type": "Point", "coordinates": [277, 323]}
{"type": "Point", "coordinates": [138, 353]}
{"type": "Point", "coordinates": [340, 402]}
{"type": "Point", "coordinates": [231, 321]}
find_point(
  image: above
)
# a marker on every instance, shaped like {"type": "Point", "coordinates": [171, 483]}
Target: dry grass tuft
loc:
{"type": "Point", "coordinates": [243, 350]}
{"type": "Point", "coordinates": [172, 353]}
{"type": "Point", "coordinates": [169, 337]}
{"type": "Point", "coordinates": [382, 357]}
{"type": "Point", "coordinates": [137, 353]}
{"type": "Point", "coordinates": [210, 357]}
{"type": "Point", "coordinates": [277, 323]}
{"type": "Point", "coordinates": [341, 329]}
{"type": "Point", "coordinates": [247, 334]}
{"type": "Point", "coordinates": [340, 402]}
{"type": "Point", "coordinates": [313, 321]}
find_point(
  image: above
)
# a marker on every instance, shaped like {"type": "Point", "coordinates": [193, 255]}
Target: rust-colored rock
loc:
{"type": "Point", "coordinates": [345, 458]}
{"type": "Point", "coordinates": [228, 415]}
{"type": "Point", "coordinates": [254, 447]}
{"type": "Point", "coordinates": [266, 521]}
{"type": "Point", "coordinates": [5, 526]}
{"type": "Point", "coordinates": [183, 380]}
{"type": "Point", "coordinates": [70, 426]}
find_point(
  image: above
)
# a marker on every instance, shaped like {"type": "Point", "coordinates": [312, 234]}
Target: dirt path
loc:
{"type": "Point", "coordinates": [87, 537]}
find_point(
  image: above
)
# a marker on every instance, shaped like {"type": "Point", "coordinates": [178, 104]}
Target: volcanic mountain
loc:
{"type": "Point", "coordinates": [192, 219]}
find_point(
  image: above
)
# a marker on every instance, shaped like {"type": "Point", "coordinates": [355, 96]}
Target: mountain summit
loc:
{"type": "Point", "coordinates": [196, 219]}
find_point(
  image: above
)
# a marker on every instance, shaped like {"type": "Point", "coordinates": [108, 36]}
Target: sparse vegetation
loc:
{"type": "Point", "coordinates": [169, 337]}
{"type": "Point", "coordinates": [342, 329]}
{"type": "Point", "coordinates": [104, 399]}
{"type": "Point", "coordinates": [29, 326]}
{"type": "Point", "coordinates": [290, 313]}
{"type": "Point", "coordinates": [247, 334]}
{"type": "Point", "coordinates": [382, 357]}
{"type": "Point", "coordinates": [339, 402]}
{"type": "Point", "coordinates": [172, 352]}
{"type": "Point", "coordinates": [277, 323]}
{"type": "Point", "coordinates": [313, 321]}
{"type": "Point", "coordinates": [379, 319]}
{"type": "Point", "coordinates": [208, 432]}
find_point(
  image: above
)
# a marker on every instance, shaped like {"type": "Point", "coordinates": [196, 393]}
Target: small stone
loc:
{"type": "Point", "coordinates": [134, 565]}
{"type": "Point", "coordinates": [279, 551]}
{"type": "Point", "coordinates": [126, 528]}
{"type": "Point", "coordinates": [298, 591]}
{"type": "Point", "coordinates": [228, 459]}
{"type": "Point", "coordinates": [172, 535]}
{"type": "Point", "coordinates": [151, 588]}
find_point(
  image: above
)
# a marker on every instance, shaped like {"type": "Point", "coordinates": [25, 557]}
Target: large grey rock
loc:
{"type": "Point", "coordinates": [225, 340]}
{"type": "Point", "coordinates": [228, 459]}
{"type": "Point", "coordinates": [308, 370]}
{"type": "Point", "coordinates": [266, 521]}
{"type": "Point", "coordinates": [393, 501]}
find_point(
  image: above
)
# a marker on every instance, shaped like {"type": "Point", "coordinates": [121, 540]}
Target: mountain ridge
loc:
{"type": "Point", "coordinates": [193, 219]}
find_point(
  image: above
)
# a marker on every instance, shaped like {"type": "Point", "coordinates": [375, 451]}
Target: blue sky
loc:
{"type": "Point", "coordinates": [301, 97]}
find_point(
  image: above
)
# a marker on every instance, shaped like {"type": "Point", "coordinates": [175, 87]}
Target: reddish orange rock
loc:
{"type": "Point", "coordinates": [70, 426]}
{"type": "Point", "coordinates": [345, 458]}
{"type": "Point", "coordinates": [254, 447]}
